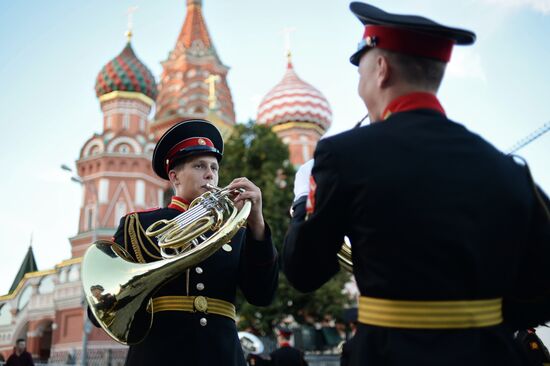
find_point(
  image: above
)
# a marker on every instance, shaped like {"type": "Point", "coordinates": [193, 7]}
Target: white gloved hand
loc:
{"type": "Point", "coordinates": [301, 180]}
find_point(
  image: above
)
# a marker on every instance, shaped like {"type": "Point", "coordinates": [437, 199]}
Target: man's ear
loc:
{"type": "Point", "coordinates": [383, 71]}
{"type": "Point", "coordinates": [173, 177]}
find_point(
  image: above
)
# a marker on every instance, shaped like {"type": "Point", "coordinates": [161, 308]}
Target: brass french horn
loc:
{"type": "Point", "coordinates": [250, 343]}
{"type": "Point", "coordinates": [119, 291]}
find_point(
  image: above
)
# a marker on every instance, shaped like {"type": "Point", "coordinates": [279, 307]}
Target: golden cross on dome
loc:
{"type": "Point", "coordinates": [211, 81]}
{"type": "Point", "coordinates": [286, 34]}
{"type": "Point", "coordinates": [131, 11]}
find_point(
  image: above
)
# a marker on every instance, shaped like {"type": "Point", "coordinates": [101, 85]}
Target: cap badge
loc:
{"type": "Point", "coordinates": [201, 142]}
{"type": "Point", "coordinates": [371, 41]}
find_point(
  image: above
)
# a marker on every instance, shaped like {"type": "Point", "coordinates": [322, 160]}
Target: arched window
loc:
{"type": "Point", "coordinates": [5, 314]}
{"type": "Point", "coordinates": [24, 298]}
{"type": "Point", "coordinates": [74, 273]}
{"type": "Point", "coordinates": [120, 211]}
{"type": "Point", "coordinates": [63, 275]}
{"type": "Point", "coordinates": [95, 150]}
{"type": "Point", "coordinates": [47, 285]}
{"type": "Point", "coordinates": [89, 218]}
{"type": "Point", "coordinates": [123, 148]}
{"type": "Point", "coordinates": [142, 124]}
{"type": "Point", "coordinates": [126, 121]}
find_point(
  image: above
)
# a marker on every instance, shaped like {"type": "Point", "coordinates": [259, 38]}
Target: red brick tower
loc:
{"type": "Point", "coordinates": [183, 89]}
{"type": "Point", "coordinates": [298, 113]}
{"type": "Point", "coordinates": [115, 165]}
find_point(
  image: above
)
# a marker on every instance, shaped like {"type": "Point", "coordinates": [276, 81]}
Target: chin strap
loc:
{"type": "Point", "coordinates": [358, 124]}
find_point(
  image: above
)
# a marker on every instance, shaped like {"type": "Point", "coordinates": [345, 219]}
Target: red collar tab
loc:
{"type": "Point", "coordinates": [407, 41]}
{"type": "Point", "coordinates": [185, 144]}
{"type": "Point", "coordinates": [285, 344]}
{"type": "Point", "coordinates": [412, 101]}
{"type": "Point", "coordinates": [179, 204]}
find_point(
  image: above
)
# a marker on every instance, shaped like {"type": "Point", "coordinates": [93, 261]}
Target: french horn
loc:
{"type": "Point", "coordinates": [119, 291]}
{"type": "Point", "coordinates": [250, 343]}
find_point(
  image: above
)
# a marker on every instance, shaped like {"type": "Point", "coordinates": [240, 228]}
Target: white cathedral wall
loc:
{"type": "Point", "coordinates": [140, 192]}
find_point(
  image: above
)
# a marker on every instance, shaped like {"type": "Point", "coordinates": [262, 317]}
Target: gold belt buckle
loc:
{"type": "Point", "coordinates": [201, 304]}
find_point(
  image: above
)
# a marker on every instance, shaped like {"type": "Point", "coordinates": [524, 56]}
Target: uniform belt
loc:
{"type": "Point", "coordinates": [430, 314]}
{"type": "Point", "coordinates": [194, 304]}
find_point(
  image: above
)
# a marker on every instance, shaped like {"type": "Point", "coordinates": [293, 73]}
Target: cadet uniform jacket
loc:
{"type": "Point", "coordinates": [433, 212]}
{"type": "Point", "coordinates": [186, 338]}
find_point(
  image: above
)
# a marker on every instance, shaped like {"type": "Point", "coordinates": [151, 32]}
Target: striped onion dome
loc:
{"type": "Point", "coordinates": [126, 73]}
{"type": "Point", "coordinates": [294, 100]}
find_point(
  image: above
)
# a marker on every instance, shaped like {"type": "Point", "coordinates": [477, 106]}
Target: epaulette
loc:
{"type": "Point", "coordinates": [142, 211]}
{"type": "Point", "coordinates": [134, 237]}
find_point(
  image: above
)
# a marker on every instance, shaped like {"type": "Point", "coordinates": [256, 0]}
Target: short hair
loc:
{"type": "Point", "coordinates": [178, 164]}
{"type": "Point", "coordinates": [422, 72]}
{"type": "Point", "coordinates": [19, 340]}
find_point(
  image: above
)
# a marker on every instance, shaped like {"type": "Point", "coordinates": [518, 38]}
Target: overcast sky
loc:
{"type": "Point", "coordinates": [51, 52]}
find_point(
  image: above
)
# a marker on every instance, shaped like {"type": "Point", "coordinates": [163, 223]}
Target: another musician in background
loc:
{"type": "Point", "coordinates": [450, 237]}
{"type": "Point", "coordinates": [194, 314]}
{"type": "Point", "coordinates": [347, 346]}
{"type": "Point", "coordinates": [285, 354]}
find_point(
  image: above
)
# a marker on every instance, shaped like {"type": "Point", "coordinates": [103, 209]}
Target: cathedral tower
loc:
{"type": "Point", "coordinates": [298, 113]}
{"type": "Point", "coordinates": [115, 165]}
{"type": "Point", "coordinates": [191, 73]}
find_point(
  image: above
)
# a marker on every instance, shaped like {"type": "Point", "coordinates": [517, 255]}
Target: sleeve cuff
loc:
{"type": "Point", "coordinates": [298, 209]}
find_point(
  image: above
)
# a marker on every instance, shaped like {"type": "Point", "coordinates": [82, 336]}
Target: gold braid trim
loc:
{"type": "Point", "coordinates": [143, 246]}
{"type": "Point", "coordinates": [133, 238]}
{"type": "Point", "coordinates": [125, 233]}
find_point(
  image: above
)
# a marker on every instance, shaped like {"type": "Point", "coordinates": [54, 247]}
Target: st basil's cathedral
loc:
{"type": "Point", "coordinates": [46, 307]}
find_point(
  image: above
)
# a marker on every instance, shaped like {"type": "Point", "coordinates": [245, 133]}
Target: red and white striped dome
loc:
{"type": "Point", "coordinates": [294, 100]}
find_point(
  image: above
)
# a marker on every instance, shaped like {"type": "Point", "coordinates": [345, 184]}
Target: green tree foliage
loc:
{"type": "Point", "coordinates": [255, 152]}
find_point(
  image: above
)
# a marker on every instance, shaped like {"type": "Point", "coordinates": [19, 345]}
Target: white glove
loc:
{"type": "Point", "coordinates": [301, 180]}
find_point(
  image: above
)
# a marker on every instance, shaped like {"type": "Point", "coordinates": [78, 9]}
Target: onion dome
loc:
{"type": "Point", "coordinates": [294, 100]}
{"type": "Point", "coordinates": [126, 73]}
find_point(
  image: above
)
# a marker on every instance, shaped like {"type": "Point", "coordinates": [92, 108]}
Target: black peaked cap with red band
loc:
{"type": "Point", "coordinates": [284, 331]}
{"type": "Point", "coordinates": [186, 138]}
{"type": "Point", "coordinates": [408, 34]}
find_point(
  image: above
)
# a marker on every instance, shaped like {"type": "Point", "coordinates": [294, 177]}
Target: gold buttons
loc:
{"type": "Point", "coordinates": [227, 247]}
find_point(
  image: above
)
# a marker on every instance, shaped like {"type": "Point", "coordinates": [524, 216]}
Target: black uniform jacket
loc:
{"type": "Point", "coordinates": [184, 338]}
{"type": "Point", "coordinates": [288, 356]}
{"type": "Point", "coordinates": [433, 212]}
